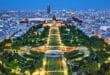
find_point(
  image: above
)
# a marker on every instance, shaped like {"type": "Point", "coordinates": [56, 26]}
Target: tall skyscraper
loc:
{"type": "Point", "coordinates": [48, 9]}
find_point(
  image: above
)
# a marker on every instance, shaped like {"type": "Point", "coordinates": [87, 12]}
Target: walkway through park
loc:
{"type": "Point", "coordinates": [54, 62]}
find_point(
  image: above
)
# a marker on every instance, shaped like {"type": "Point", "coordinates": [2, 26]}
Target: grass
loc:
{"type": "Point", "coordinates": [54, 64]}
{"type": "Point", "coordinates": [12, 59]}
{"type": "Point", "coordinates": [77, 38]}
{"type": "Point", "coordinates": [32, 38]}
{"type": "Point", "coordinates": [24, 62]}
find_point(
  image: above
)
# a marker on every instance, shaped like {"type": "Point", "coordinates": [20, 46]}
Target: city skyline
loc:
{"type": "Point", "coordinates": [55, 4]}
{"type": "Point", "coordinates": [54, 37]}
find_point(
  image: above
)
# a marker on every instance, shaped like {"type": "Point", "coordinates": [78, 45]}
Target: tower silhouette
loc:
{"type": "Point", "coordinates": [48, 9]}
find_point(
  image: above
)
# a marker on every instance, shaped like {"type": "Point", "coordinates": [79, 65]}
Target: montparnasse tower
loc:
{"type": "Point", "coordinates": [48, 9]}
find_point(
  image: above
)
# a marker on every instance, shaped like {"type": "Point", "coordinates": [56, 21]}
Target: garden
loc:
{"type": "Point", "coordinates": [13, 61]}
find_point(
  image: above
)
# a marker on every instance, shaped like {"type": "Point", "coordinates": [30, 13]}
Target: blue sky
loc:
{"type": "Point", "coordinates": [55, 4]}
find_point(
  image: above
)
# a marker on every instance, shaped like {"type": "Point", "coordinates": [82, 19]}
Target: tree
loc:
{"type": "Point", "coordinates": [89, 68]}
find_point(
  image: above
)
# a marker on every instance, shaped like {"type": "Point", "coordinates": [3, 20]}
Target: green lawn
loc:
{"type": "Point", "coordinates": [55, 73]}
{"type": "Point", "coordinates": [77, 38]}
{"type": "Point", "coordinates": [32, 38]}
{"type": "Point", "coordinates": [24, 62]}
{"type": "Point", "coordinates": [95, 63]}
{"type": "Point", "coordinates": [54, 64]}
{"type": "Point", "coordinates": [10, 57]}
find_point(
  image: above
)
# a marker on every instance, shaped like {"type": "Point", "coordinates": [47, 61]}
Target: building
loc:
{"type": "Point", "coordinates": [48, 9]}
{"type": "Point", "coordinates": [105, 28]}
{"type": "Point", "coordinates": [24, 21]}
